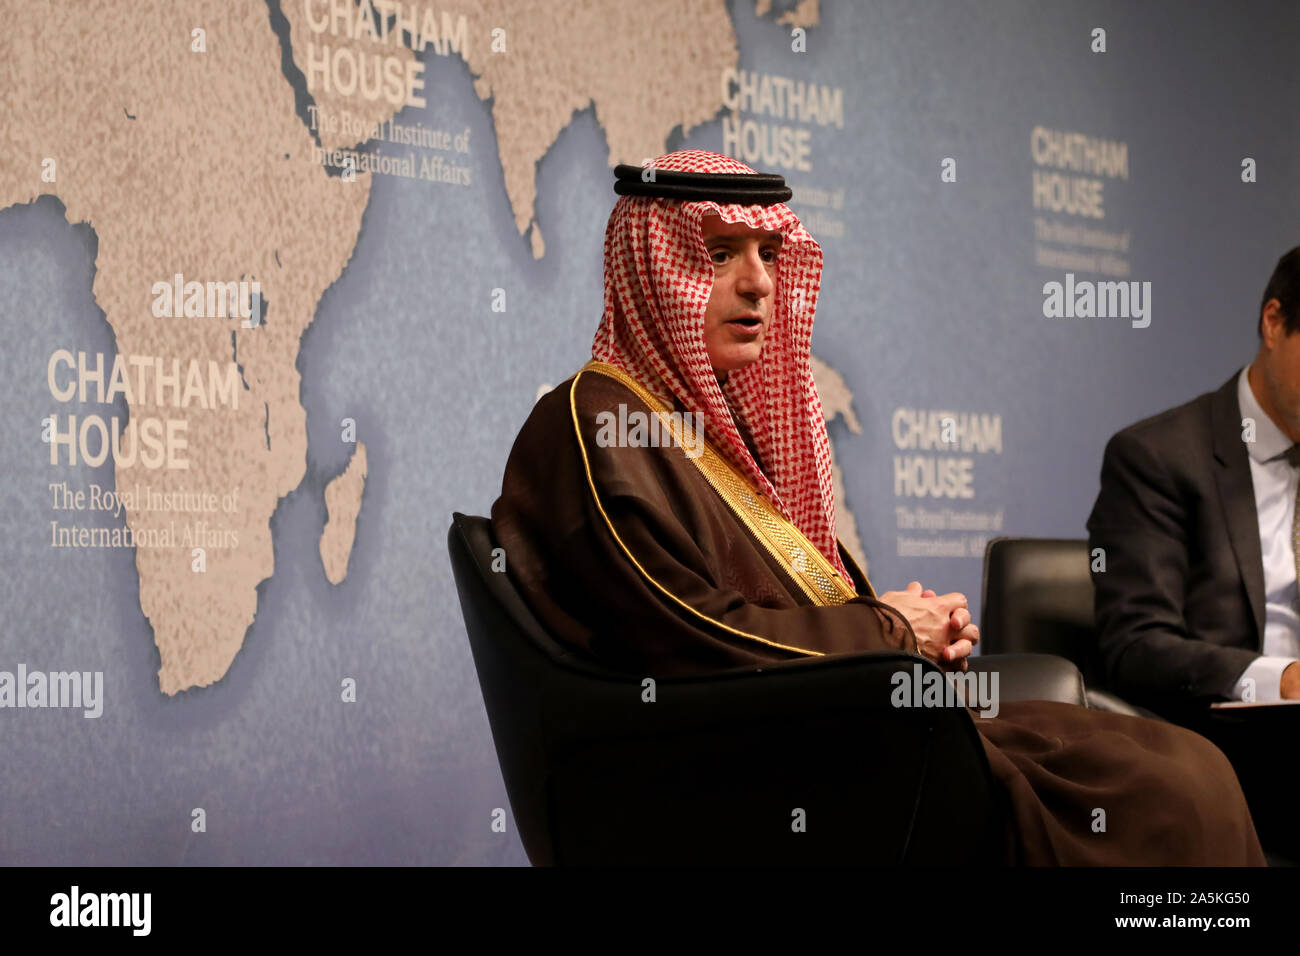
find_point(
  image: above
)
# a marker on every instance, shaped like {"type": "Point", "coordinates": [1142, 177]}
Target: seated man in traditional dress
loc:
{"type": "Point", "coordinates": [668, 511]}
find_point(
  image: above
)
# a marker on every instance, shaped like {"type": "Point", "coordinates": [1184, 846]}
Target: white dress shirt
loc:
{"type": "Point", "coordinates": [1274, 480]}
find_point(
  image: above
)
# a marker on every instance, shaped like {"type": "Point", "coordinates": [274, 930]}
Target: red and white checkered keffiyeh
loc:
{"type": "Point", "coordinates": [658, 278]}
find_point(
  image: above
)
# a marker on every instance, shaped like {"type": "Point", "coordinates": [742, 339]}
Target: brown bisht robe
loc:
{"type": "Point", "coordinates": [633, 556]}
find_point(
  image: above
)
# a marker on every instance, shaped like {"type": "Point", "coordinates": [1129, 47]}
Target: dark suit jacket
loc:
{"type": "Point", "coordinates": [1180, 605]}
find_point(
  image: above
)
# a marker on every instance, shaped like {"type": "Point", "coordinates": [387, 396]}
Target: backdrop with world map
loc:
{"type": "Point", "coordinates": [281, 280]}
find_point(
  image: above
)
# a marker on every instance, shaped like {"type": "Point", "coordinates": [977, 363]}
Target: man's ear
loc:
{"type": "Point", "coordinates": [1272, 323]}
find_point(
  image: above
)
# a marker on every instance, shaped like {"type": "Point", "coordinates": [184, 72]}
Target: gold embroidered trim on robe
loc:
{"type": "Point", "coordinates": [591, 483]}
{"type": "Point", "coordinates": [800, 559]}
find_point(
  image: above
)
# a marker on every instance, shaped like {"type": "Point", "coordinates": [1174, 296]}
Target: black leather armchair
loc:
{"type": "Point", "coordinates": [716, 769]}
{"type": "Point", "coordinates": [1038, 598]}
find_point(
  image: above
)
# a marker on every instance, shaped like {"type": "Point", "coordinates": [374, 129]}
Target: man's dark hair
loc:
{"type": "Point", "coordinates": [1285, 287]}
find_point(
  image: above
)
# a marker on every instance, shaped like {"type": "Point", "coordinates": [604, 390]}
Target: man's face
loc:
{"type": "Point", "coordinates": [740, 308]}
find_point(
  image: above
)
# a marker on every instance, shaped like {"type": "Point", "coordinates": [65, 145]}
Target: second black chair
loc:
{"type": "Point", "coordinates": [1038, 598]}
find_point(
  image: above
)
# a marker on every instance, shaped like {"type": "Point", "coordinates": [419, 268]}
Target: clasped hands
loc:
{"type": "Point", "coordinates": [941, 622]}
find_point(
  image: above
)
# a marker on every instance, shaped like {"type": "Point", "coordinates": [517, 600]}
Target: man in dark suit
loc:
{"type": "Point", "coordinates": [1196, 517]}
{"type": "Point", "coordinates": [1196, 521]}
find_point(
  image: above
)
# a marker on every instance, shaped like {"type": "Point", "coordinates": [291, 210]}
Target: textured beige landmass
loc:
{"type": "Point", "coordinates": [837, 399]}
{"type": "Point", "coordinates": [806, 14]}
{"type": "Point", "coordinates": [646, 69]}
{"type": "Point", "coordinates": [205, 176]}
{"type": "Point", "coordinates": [343, 499]}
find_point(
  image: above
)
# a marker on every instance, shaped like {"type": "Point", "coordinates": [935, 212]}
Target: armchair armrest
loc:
{"type": "Point", "coordinates": [1034, 677]}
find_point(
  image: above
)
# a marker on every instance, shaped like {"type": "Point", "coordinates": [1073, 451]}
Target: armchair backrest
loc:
{"type": "Point", "coordinates": [1038, 598]}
